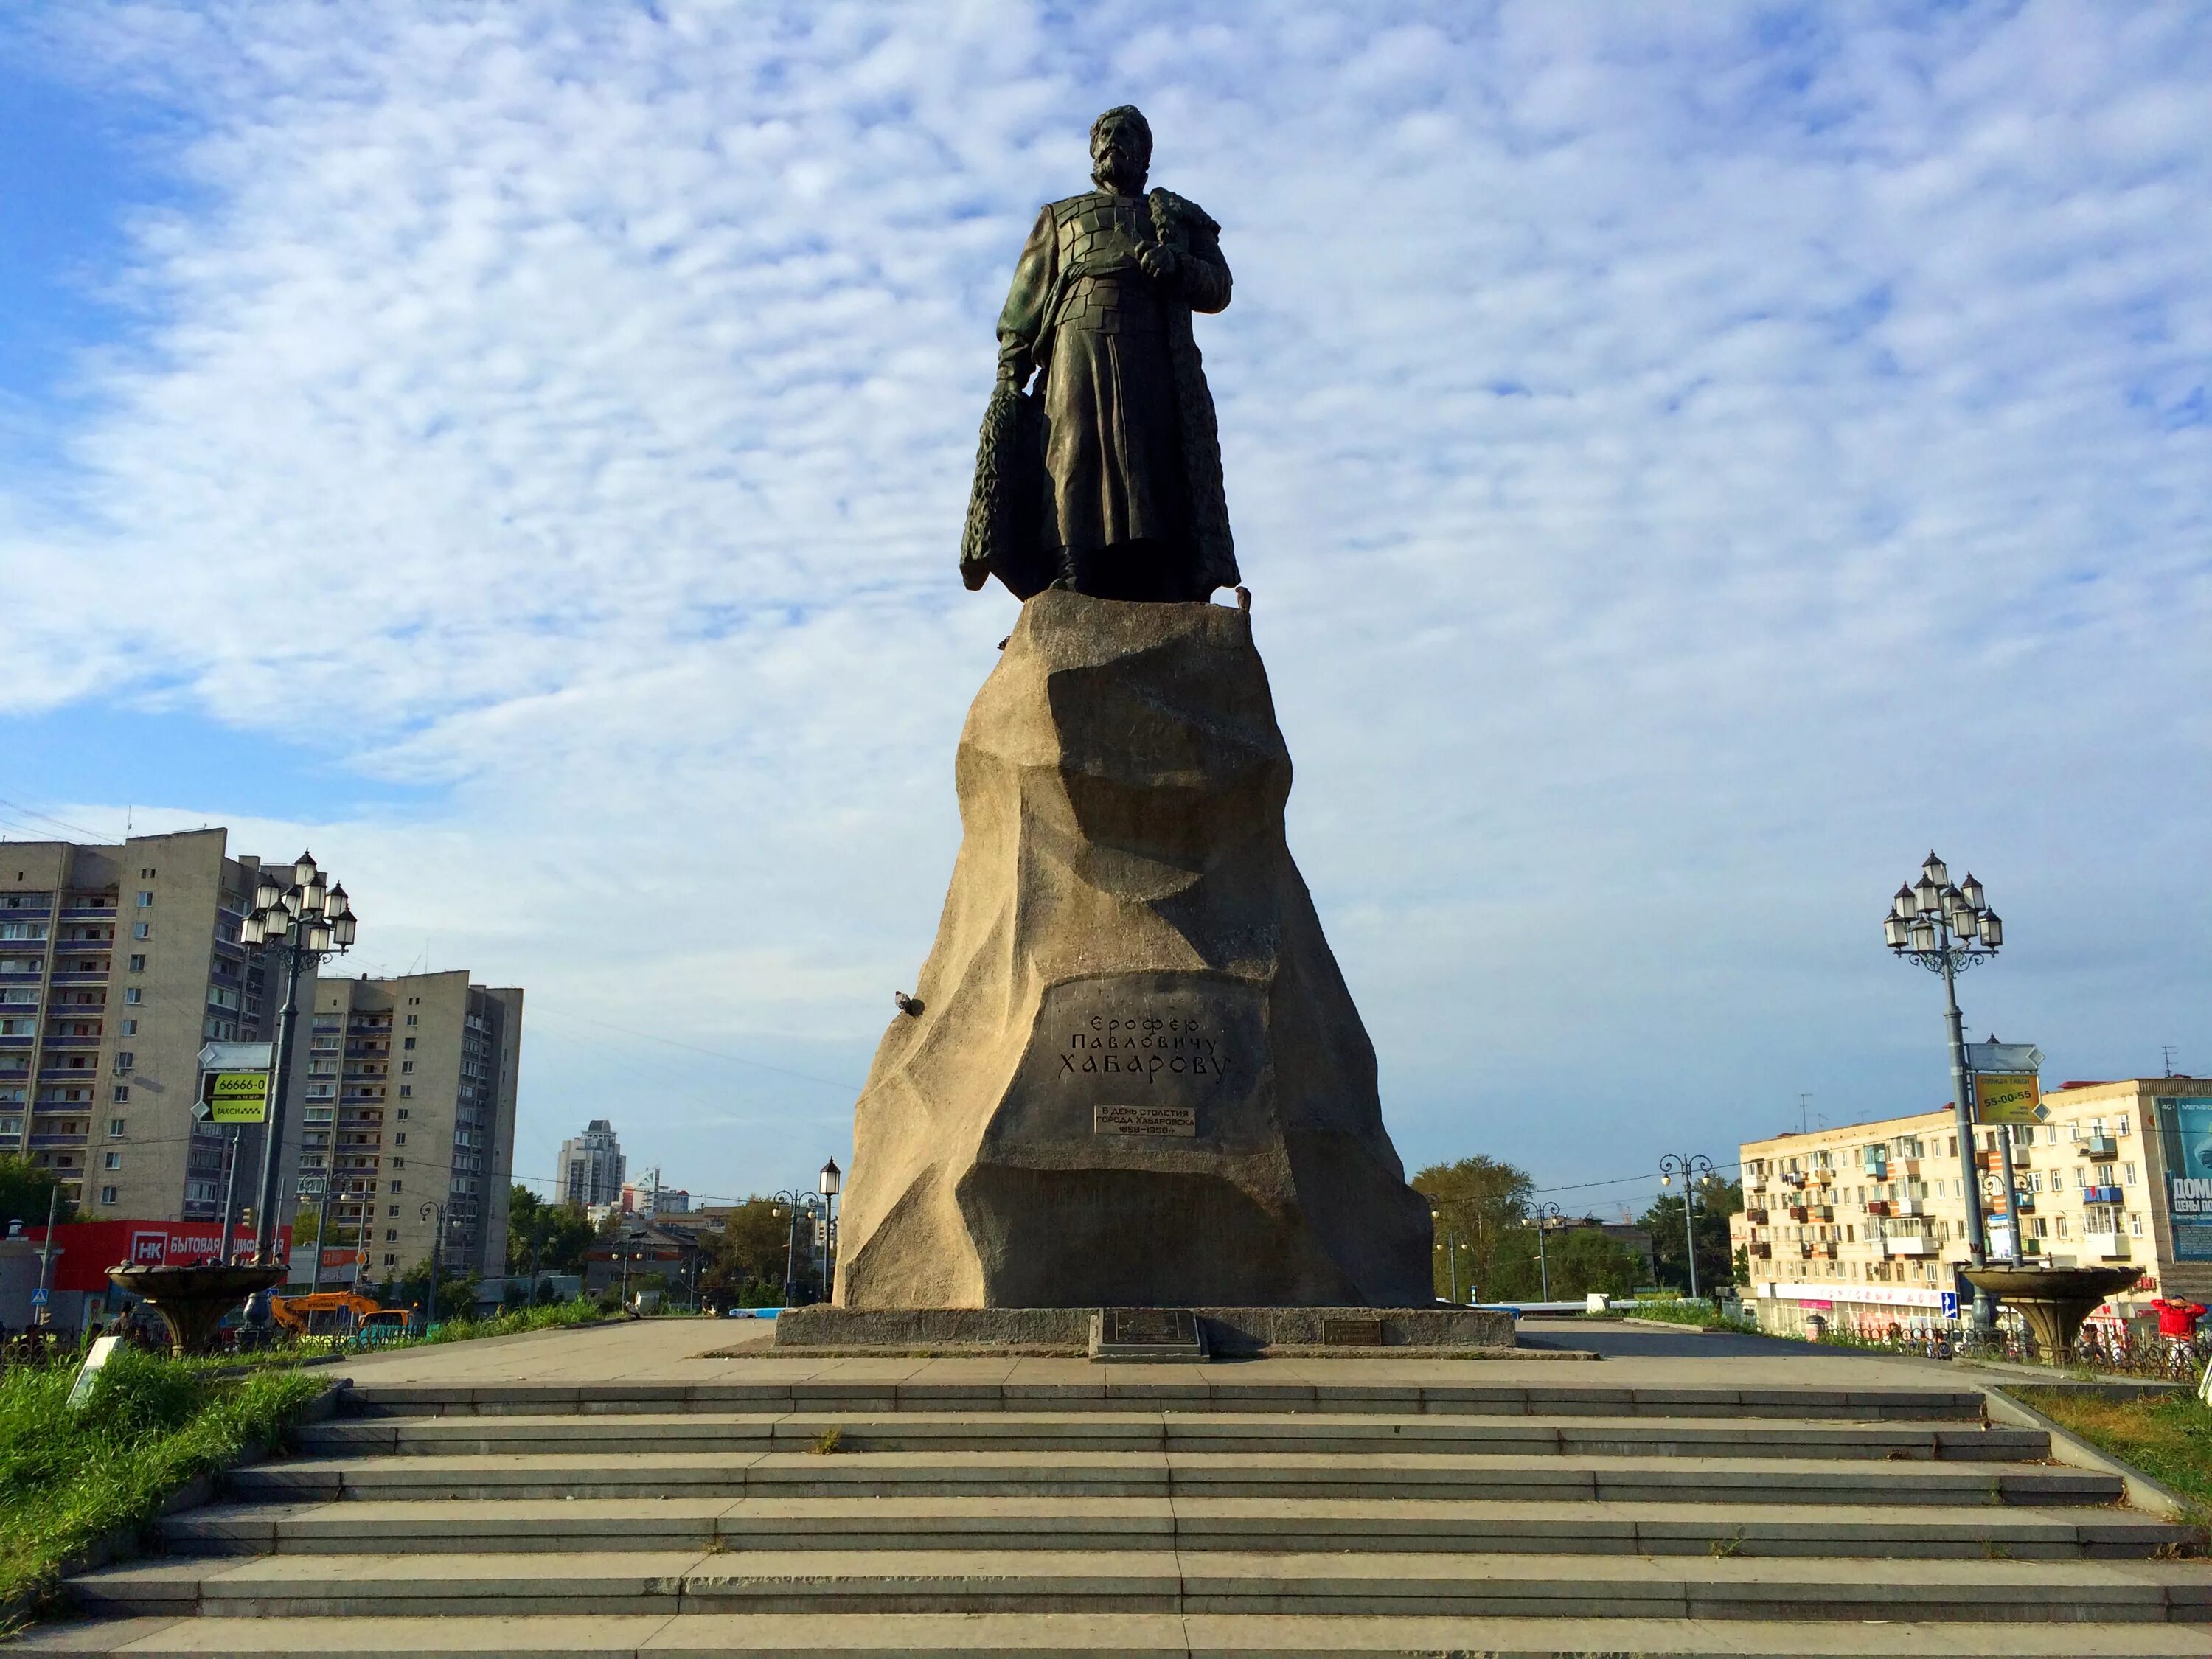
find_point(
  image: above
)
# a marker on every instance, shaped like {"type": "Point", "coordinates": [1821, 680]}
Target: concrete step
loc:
{"type": "Point", "coordinates": [1142, 1431]}
{"type": "Point", "coordinates": [1426, 1585]}
{"type": "Point", "coordinates": [1195, 1388]}
{"type": "Point", "coordinates": [1099, 1636]}
{"type": "Point", "coordinates": [582, 1525]}
{"type": "Point", "coordinates": [1555, 1477]}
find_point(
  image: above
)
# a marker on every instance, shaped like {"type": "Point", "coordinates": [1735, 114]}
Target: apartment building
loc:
{"type": "Point", "coordinates": [592, 1167]}
{"type": "Point", "coordinates": [409, 1105]}
{"type": "Point", "coordinates": [1866, 1225]}
{"type": "Point", "coordinates": [117, 962]}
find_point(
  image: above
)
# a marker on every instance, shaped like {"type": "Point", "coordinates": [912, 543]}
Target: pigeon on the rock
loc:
{"type": "Point", "coordinates": [909, 1006]}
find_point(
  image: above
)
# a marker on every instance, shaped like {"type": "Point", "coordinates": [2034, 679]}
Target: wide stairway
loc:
{"type": "Point", "coordinates": [1127, 1515]}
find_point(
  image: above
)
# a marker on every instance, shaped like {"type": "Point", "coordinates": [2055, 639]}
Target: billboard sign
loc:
{"type": "Point", "coordinates": [2184, 1134]}
{"type": "Point", "coordinates": [2007, 1097]}
{"type": "Point", "coordinates": [238, 1096]}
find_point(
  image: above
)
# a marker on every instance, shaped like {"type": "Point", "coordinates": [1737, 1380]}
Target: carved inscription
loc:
{"type": "Point", "coordinates": [1107, 1119]}
{"type": "Point", "coordinates": [1144, 1046]}
{"type": "Point", "coordinates": [1351, 1333]}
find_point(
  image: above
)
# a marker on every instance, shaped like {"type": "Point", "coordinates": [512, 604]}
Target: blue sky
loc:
{"type": "Point", "coordinates": [1689, 460]}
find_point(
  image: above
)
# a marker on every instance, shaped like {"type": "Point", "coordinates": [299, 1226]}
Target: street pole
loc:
{"type": "Point", "coordinates": [1693, 1167]}
{"type": "Point", "coordinates": [322, 1237]}
{"type": "Point", "coordinates": [229, 1191]}
{"type": "Point", "coordinates": [46, 1254]}
{"type": "Point", "coordinates": [1935, 925]}
{"type": "Point", "coordinates": [1543, 1215]}
{"type": "Point", "coordinates": [272, 1132]}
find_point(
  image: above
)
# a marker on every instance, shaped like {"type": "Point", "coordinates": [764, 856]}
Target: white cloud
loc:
{"type": "Point", "coordinates": [1687, 458]}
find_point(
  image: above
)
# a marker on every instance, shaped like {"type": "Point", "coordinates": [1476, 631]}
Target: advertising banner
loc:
{"type": "Point", "coordinates": [85, 1250]}
{"type": "Point", "coordinates": [2006, 1097]}
{"type": "Point", "coordinates": [2185, 1132]}
{"type": "Point", "coordinates": [238, 1096]}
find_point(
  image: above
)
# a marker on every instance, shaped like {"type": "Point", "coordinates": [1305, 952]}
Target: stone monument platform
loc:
{"type": "Point", "coordinates": [1221, 1332]}
{"type": "Point", "coordinates": [1132, 1074]}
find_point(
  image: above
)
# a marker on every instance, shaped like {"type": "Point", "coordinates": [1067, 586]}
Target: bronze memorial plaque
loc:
{"type": "Point", "coordinates": [1107, 1119]}
{"type": "Point", "coordinates": [1351, 1333]}
{"type": "Point", "coordinates": [1150, 1327]}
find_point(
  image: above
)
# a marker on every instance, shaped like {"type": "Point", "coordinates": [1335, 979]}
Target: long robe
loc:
{"type": "Point", "coordinates": [1126, 466]}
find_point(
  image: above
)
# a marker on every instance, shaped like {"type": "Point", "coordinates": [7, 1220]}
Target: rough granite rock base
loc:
{"type": "Point", "coordinates": [1136, 1078]}
{"type": "Point", "coordinates": [1228, 1331]}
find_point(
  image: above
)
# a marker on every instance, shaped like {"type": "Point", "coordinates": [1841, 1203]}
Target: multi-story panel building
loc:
{"type": "Point", "coordinates": [592, 1167]}
{"type": "Point", "coordinates": [117, 963]}
{"type": "Point", "coordinates": [1867, 1225]}
{"type": "Point", "coordinates": [409, 1106]}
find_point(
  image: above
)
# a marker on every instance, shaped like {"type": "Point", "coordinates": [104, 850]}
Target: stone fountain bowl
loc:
{"type": "Point", "coordinates": [194, 1299]}
{"type": "Point", "coordinates": [2053, 1300]}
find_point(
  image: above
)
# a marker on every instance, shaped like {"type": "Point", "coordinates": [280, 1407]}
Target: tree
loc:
{"type": "Point", "coordinates": [1717, 1200]}
{"type": "Point", "coordinates": [1480, 1205]}
{"type": "Point", "coordinates": [560, 1233]}
{"type": "Point", "coordinates": [24, 1193]}
{"type": "Point", "coordinates": [1584, 1259]}
{"type": "Point", "coordinates": [457, 1292]}
{"type": "Point", "coordinates": [749, 1258]}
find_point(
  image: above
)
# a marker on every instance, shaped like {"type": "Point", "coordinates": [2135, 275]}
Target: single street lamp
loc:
{"type": "Point", "coordinates": [794, 1205]}
{"type": "Point", "coordinates": [302, 923]}
{"type": "Point", "coordinates": [1693, 1167]}
{"type": "Point", "coordinates": [1543, 1216]}
{"type": "Point", "coordinates": [1450, 1247]}
{"type": "Point", "coordinates": [1947, 930]}
{"type": "Point", "coordinates": [830, 1183]}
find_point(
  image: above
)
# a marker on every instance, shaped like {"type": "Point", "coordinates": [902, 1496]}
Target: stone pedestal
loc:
{"type": "Point", "coordinates": [1136, 1077]}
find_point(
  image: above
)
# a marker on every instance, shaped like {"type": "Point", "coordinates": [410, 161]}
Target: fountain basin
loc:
{"type": "Point", "coordinates": [193, 1300]}
{"type": "Point", "coordinates": [2054, 1301]}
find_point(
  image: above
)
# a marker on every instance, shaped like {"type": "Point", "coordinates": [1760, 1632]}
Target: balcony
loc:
{"type": "Point", "coordinates": [2113, 1246]}
{"type": "Point", "coordinates": [1798, 1212]}
{"type": "Point", "coordinates": [1908, 1247]}
{"type": "Point", "coordinates": [1761, 1252]}
{"type": "Point", "coordinates": [1878, 1206]}
{"type": "Point", "coordinates": [2024, 1202]}
{"type": "Point", "coordinates": [1755, 1218]}
{"type": "Point", "coordinates": [1823, 1211]}
{"type": "Point", "coordinates": [2101, 1147]}
{"type": "Point", "coordinates": [2117, 1195]}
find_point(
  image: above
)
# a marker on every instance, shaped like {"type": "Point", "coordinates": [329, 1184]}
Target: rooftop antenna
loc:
{"type": "Point", "coordinates": [1804, 1103]}
{"type": "Point", "coordinates": [2166, 1048]}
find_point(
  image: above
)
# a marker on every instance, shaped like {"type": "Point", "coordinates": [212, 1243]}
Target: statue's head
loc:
{"type": "Point", "coordinates": [1121, 150]}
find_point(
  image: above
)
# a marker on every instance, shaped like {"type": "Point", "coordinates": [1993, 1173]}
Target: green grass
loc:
{"type": "Point", "coordinates": [2168, 1437]}
{"type": "Point", "coordinates": [549, 1315]}
{"type": "Point", "coordinates": [70, 1477]}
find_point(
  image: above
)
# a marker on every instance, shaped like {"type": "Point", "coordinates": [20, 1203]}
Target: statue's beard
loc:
{"type": "Point", "coordinates": [1118, 172]}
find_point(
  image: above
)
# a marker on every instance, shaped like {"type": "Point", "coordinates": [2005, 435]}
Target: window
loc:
{"type": "Point", "coordinates": [395, 1185]}
{"type": "Point", "coordinates": [145, 900]}
{"type": "Point", "coordinates": [394, 1211]}
{"type": "Point", "coordinates": [141, 930]}
{"type": "Point", "coordinates": [126, 1059]}
{"type": "Point", "coordinates": [392, 1235]}
{"type": "Point", "coordinates": [2128, 1171]}
{"type": "Point", "coordinates": [113, 1161]}
{"type": "Point", "coordinates": [403, 1111]}
{"type": "Point", "coordinates": [130, 1027]}
{"type": "Point", "coordinates": [137, 966]}
{"type": "Point", "coordinates": [399, 1140]}
{"type": "Point", "coordinates": [406, 1066]}
{"type": "Point", "coordinates": [406, 1092]}
{"type": "Point", "coordinates": [410, 1040]}
{"type": "Point", "coordinates": [391, 1260]}
{"type": "Point", "coordinates": [115, 1126]}
{"type": "Point", "coordinates": [410, 1020]}
{"type": "Point", "coordinates": [2135, 1224]}
{"type": "Point", "coordinates": [2121, 1127]}
{"type": "Point", "coordinates": [107, 1194]}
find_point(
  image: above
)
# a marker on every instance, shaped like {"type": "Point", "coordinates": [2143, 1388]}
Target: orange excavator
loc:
{"type": "Point", "coordinates": [333, 1313]}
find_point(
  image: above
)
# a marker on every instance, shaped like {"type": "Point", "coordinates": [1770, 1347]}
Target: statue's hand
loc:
{"type": "Point", "coordinates": [1160, 264]}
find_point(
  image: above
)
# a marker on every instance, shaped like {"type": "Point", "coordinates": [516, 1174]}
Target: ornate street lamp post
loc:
{"type": "Point", "coordinates": [301, 924]}
{"type": "Point", "coordinates": [795, 1204]}
{"type": "Point", "coordinates": [830, 1183]}
{"type": "Point", "coordinates": [430, 1208]}
{"type": "Point", "coordinates": [1693, 1167]}
{"type": "Point", "coordinates": [1947, 930]}
{"type": "Point", "coordinates": [1451, 1248]}
{"type": "Point", "coordinates": [1543, 1217]}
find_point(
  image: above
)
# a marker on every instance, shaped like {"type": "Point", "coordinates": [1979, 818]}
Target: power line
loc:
{"type": "Point", "coordinates": [1622, 1180]}
{"type": "Point", "coordinates": [48, 817]}
{"type": "Point", "coordinates": [717, 1054]}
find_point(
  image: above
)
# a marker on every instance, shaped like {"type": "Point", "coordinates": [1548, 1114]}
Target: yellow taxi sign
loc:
{"type": "Point", "coordinates": [238, 1096]}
